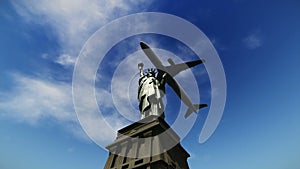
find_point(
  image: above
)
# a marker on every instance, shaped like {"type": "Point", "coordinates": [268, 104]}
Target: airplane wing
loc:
{"type": "Point", "coordinates": [196, 107]}
{"type": "Point", "coordinates": [174, 69]}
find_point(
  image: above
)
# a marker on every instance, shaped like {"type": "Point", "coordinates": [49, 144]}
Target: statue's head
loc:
{"type": "Point", "coordinates": [151, 72]}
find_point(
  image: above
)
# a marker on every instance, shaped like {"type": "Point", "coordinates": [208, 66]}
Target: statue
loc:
{"type": "Point", "coordinates": [152, 88]}
{"type": "Point", "coordinates": [150, 92]}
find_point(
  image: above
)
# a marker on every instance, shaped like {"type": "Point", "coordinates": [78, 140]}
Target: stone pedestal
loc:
{"type": "Point", "coordinates": [147, 144]}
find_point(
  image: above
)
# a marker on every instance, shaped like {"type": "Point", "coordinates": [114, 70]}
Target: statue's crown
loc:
{"type": "Point", "coordinates": [151, 71]}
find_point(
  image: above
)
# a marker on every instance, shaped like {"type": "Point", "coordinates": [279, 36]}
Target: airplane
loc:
{"type": "Point", "coordinates": [171, 71]}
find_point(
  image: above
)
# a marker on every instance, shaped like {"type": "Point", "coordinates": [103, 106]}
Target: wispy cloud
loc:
{"type": "Point", "coordinates": [253, 40]}
{"type": "Point", "coordinates": [66, 60]}
{"type": "Point", "coordinates": [73, 21]}
{"type": "Point", "coordinates": [32, 99]}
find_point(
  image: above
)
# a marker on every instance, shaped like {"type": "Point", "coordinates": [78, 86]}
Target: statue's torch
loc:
{"type": "Point", "coordinates": [140, 66]}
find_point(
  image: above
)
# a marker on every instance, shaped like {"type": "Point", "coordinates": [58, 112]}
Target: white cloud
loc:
{"type": "Point", "coordinates": [66, 60]}
{"type": "Point", "coordinates": [33, 99]}
{"type": "Point", "coordinates": [253, 41]}
{"type": "Point", "coordinates": [74, 21]}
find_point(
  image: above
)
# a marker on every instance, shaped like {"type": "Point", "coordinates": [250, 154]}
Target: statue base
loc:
{"type": "Point", "coordinates": [146, 145]}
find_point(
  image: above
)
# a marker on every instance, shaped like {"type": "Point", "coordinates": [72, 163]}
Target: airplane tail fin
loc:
{"type": "Point", "coordinates": [194, 109]}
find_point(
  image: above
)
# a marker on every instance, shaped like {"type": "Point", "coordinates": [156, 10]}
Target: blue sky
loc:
{"type": "Point", "coordinates": [257, 42]}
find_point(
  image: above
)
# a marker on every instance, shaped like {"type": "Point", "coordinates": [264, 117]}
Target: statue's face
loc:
{"type": "Point", "coordinates": [150, 74]}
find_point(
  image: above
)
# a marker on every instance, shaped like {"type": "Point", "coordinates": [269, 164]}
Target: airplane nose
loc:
{"type": "Point", "coordinates": [144, 45]}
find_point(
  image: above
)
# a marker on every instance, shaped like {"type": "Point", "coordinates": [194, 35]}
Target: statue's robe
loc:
{"type": "Point", "coordinates": [150, 96]}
